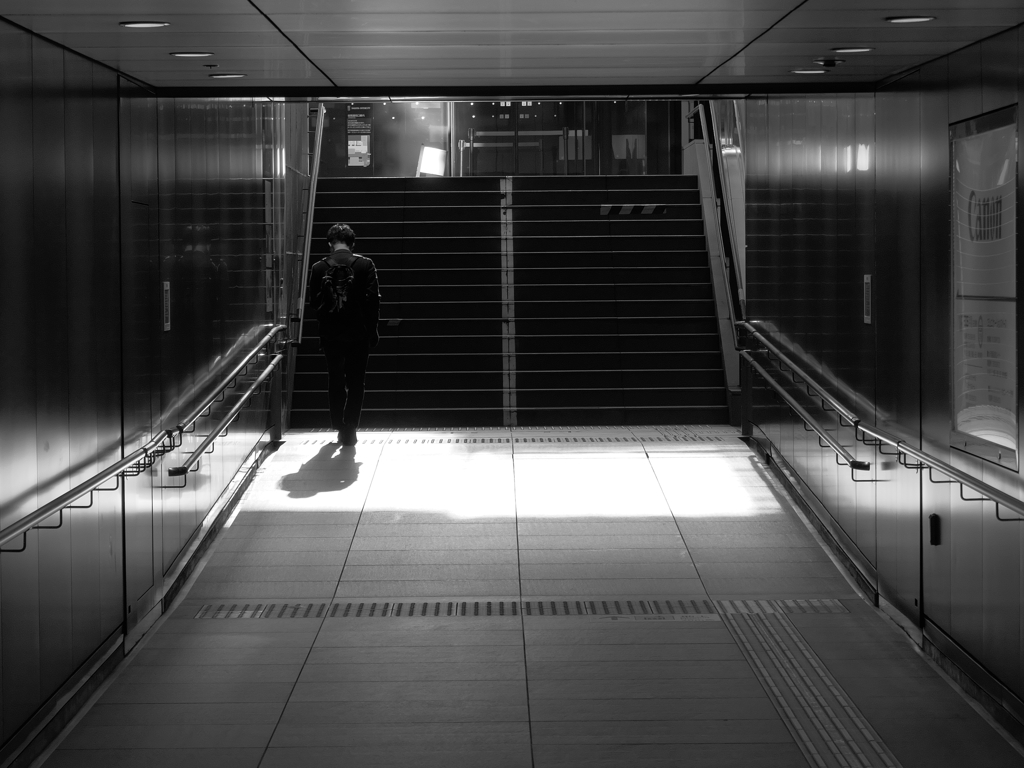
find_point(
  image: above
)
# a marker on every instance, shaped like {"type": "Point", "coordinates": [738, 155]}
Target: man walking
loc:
{"type": "Point", "coordinates": [345, 297]}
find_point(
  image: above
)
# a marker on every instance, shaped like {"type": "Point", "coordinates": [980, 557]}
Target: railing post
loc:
{"type": "Point", "coordinates": [276, 405]}
{"type": "Point", "coordinates": [746, 401]}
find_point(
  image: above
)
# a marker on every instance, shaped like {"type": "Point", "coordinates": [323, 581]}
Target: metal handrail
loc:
{"type": "Point", "coordinates": [227, 381]}
{"type": "Point", "coordinates": [711, 140]}
{"type": "Point", "coordinates": [153, 448]}
{"type": "Point", "coordinates": [810, 421]}
{"type": "Point", "coordinates": [726, 313]}
{"type": "Point", "coordinates": [722, 206]}
{"type": "Point", "coordinates": [929, 462]}
{"type": "Point", "coordinates": [193, 459]}
{"type": "Point", "coordinates": [137, 461]}
{"type": "Point", "coordinates": [820, 391]}
{"type": "Point", "coordinates": [314, 177]}
{"type": "Point", "coordinates": [879, 437]}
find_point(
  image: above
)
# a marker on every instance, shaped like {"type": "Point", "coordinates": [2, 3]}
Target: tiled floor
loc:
{"type": "Point", "coordinates": [602, 597]}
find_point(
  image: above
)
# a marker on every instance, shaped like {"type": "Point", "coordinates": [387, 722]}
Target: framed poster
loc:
{"type": "Point", "coordinates": [983, 208]}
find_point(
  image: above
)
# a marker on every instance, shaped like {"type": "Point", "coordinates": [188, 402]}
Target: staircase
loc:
{"type": "Point", "coordinates": [528, 301]}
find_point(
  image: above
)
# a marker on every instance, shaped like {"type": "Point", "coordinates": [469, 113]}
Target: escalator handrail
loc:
{"type": "Point", "coordinates": [194, 457]}
{"type": "Point", "coordinates": [227, 381]}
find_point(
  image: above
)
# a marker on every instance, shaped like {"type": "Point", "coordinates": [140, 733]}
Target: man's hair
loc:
{"type": "Point", "coordinates": [343, 233]}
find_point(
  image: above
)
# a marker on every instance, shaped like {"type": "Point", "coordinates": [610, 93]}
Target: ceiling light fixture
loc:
{"type": "Point", "coordinates": [808, 71]}
{"type": "Point", "coordinates": [226, 75]}
{"type": "Point", "coordinates": [191, 54]}
{"type": "Point", "coordinates": [853, 49]}
{"type": "Point", "coordinates": [908, 19]}
{"type": "Point", "coordinates": [829, 62]}
{"type": "Point", "coordinates": [144, 24]}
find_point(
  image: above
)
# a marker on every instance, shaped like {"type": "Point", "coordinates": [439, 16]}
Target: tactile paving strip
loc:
{"type": "Point", "coordinates": [458, 608]}
{"type": "Point", "coordinates": [828, 605]}
{"type": "Point", "coordinates": [828, 727]}
{"type": "Point", "coordinates": [558, 607]}
{"type": "Point", "coordinates": [572, 436]}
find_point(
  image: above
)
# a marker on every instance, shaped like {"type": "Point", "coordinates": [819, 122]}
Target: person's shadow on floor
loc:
{"type": "Point", "coordinates": [332, 469]}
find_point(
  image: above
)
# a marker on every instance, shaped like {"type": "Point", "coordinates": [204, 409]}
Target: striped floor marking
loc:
{"type": "Point", "coordinates": [826, 724]}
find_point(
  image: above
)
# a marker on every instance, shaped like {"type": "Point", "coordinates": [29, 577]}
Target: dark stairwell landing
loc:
{"type": "Point", "coordinates": [528, 301]}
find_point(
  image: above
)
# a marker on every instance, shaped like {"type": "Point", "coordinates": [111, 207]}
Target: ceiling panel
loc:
{"type": "Point", "coordinates": [503, 44]}
{"type": "Point", "coordinates": [811, 18]}
{"type": "Point", "coordinates": [549, 21]}
{"type": "Point", "coordinates": [180, 24]}
{"type": "Point", "coordinates": [125, 9]}
{"type": "Point", "coordinates": [509, 7]}
{"type": "Point", "coordinates": [338, 41]}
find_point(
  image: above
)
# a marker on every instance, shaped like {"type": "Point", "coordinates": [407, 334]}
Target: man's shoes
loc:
{"type": "Point", "coordinates": [347, 436]}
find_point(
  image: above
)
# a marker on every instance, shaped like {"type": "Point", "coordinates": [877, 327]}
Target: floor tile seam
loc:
{"type": "Point", "coordinates": [522, 622]}
{"type": "Point", "coordinates": [675, 520]}
{"type": "Point", "coordinates": [323, 619]}
{"type": "Point", "coordinates": [769, 685]}
{"type": "Point", "coordinates": [815, 707]}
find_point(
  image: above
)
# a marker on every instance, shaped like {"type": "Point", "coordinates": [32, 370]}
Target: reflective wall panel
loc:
{"type": "Point", "coordinates": [109, 193]}
{"type": "Point", "coordinates": [840, 187]}
{"type": "Point", "coordinates": [60, 396]}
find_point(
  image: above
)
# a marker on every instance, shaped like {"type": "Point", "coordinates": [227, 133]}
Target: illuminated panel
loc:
{"type": "Point", "coordinates": [983, 161]}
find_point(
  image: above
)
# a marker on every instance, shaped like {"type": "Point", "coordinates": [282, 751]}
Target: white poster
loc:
{"type": "Point", "coordinates": [984, 244]}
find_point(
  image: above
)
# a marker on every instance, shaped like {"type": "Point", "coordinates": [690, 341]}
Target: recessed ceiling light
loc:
{"type": "Point", "coordinates": [808, 71]}
{"type": "Point", "coordinates": [908, 19]}
{"type": "Point", "coordinates": [190, 54]}
{"type": "Point", "coordinates": [829, 62]}
{"type": "Point", "coordinates": [226, 75]}
{"type": "Point", "coordinates": [144, 24]}
{"type": "Point", "coordinates": [852, 50]}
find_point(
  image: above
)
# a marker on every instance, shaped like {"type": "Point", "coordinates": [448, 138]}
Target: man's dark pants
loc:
{"type": "Point", "coordinates": [346, 379]}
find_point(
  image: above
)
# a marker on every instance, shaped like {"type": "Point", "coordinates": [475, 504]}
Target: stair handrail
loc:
{"type": "Point", "coordinates": [726, 313]}
{"type": "Point", "coordinates": [823, 434]}
{"type": "Point", "coordinates": [906, 455]}
{"type": "Point", "coordinates": [713, 141]}
{"type": "Point", "coordinates": [161, 443]}
{"type": "Point", "coordinates": [828, 400]}
{"type": "Point", "coordinates": [314, 177]}
{"type": "Point", "coordinates": [142, 458]}
{"type": "Point", "coordinates": [226, 383]}
{"type": "Point", "coordinates": [192, 462]}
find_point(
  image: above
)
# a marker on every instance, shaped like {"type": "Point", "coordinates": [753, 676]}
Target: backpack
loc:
{"type": "Point", "coordinates": [336, 290]}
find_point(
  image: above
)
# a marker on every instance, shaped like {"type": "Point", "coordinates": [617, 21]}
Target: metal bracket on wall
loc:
{"type": "Point", "coordinates": [1007, 519]}
{"type": "Point", "coordinates": [906, 455]}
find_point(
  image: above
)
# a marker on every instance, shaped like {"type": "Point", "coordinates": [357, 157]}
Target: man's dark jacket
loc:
{"type": "Point", "coordinates": [365, 298]}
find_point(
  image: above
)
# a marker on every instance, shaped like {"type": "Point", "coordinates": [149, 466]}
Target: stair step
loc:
{"type": "Point", "coordinates": [614, 314]}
